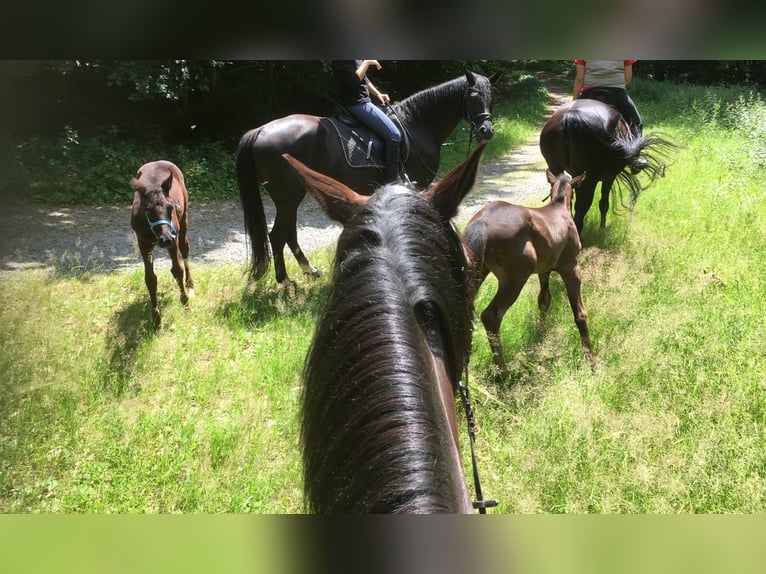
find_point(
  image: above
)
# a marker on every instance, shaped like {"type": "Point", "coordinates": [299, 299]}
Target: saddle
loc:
{"type": "Point", "coordinates": [362, 147]}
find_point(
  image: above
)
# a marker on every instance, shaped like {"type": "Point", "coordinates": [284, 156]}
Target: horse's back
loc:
{"type": "Point", "coordinates": [576, 135]}
{"type": "Point", "coordinates": [282, 135]}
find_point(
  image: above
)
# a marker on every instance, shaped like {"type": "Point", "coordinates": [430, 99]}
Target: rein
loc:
{"type": "Point", "coordinates": [465, 396]}
{"type": "Point", "coordinates": [472, 121]}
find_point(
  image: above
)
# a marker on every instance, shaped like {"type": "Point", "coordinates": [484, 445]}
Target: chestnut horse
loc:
{"type": "Point", "coordinates": [589, 136]}
{"type": "Point", "coordinates": [513, 242]}
{"type": "Point", "coordinates": [427, 118]}
{"type": "Point", "coordinates": [378, 428]}
{"type": "Point", "coordinates": [160, 217]}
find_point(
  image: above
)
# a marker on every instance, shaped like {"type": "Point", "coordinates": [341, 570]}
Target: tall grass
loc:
{"type": "Point", "coordinates": [673, 421]}
{"type": "Point", "coordinates": [99, 414]}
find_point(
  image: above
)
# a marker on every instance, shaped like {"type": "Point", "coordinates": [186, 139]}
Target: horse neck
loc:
{"type": "Point", "coordinates": [436, 110]}
{"type": "Point", "coordinates": [374, 431]}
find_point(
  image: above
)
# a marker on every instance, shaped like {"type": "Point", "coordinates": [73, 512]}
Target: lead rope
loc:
{"type": "Point", "coordinates": [465, 395]}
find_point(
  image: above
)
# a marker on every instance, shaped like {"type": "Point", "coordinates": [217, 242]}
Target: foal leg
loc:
{"type": "Point", "coordinates": [573, 283]}
{"type": "Point", "coordinates": [178, 273]}
{"type": "Point", "coordinates": [544, 298]}
{"type": "Point", "coordinates": [183, 246]}
{"type": "Point", "coordinates": [150, 278]}
{"type": "Point", "coordinates": [508, 291]}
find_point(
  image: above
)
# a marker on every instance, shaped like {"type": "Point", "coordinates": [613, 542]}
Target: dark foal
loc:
{"type": "Point", "coordinates": [159, 217]}
{"type": "Point", "coordinates": [513, 242]}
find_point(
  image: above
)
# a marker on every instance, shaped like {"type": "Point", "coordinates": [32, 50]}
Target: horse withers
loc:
{"type": "Point", "coordinates": [589, 136]}
{"type": "Point", "coordinates": [427, 118]}
{"type": "Point", "coordinates": [513, 242]}
{"type": "Point", "coordinates": [160, 218]}
{"type": "Point", "coordinates": [378, 424]}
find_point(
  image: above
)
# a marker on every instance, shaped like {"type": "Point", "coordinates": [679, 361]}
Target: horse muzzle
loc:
{"type": "Point", "coordinates": [485, 131]}
{"type": "Point", "coordinates": [166, 239]}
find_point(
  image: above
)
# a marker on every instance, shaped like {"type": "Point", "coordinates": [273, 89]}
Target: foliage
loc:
{"type": "Point", "coordinates": [166, 79]}
{"type": "Point", "coordinates": [96, 169]}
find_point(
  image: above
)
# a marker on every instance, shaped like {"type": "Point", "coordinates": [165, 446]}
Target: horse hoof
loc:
{"type": "Point", "coordinates": [312, 272]}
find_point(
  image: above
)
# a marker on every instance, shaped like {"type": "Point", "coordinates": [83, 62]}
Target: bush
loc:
{"type": "Point", "coordinates": [96, 169]}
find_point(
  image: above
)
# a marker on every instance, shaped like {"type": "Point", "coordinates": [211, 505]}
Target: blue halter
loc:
{"type": "Point", "coordinates": [153, 224]}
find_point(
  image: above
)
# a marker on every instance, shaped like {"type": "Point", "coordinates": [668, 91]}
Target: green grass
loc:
{"type": "Point", "coordinates": [99, 414]}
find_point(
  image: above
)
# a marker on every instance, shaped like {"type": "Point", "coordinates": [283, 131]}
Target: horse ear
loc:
{"type": "Point", "coordinates": [338, 201]}
{"type": "Point", "coordinates": [470, 77]}
{"type": "Point", "coordinates": [495, 76]}
{"type": "Point", "coordinates": [167, 183]}
{"type": "Point", "coordinates": [453, 187]}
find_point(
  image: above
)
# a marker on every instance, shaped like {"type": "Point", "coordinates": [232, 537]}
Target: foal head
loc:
{"type": "Point", "coordinates": [563, 186]}
{"type": "Point", "coordinates": [157, 205]}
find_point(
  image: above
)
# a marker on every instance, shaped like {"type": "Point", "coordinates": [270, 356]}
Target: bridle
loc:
{"type": "Point", "coordinates": [477, 119]}
{"type": "Point", "coordinates": [474, 122]}
{"type": "Point", "coordinates": [465, 396]}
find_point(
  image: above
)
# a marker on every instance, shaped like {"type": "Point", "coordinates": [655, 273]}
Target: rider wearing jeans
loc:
{"type": "Point", "coordinates": [353, 91]}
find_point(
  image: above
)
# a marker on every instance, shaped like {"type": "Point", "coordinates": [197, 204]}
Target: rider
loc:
{"type": "Point", "coordinates": [605, 80]}
{"type": "Point", "coordinates": [353, 90]}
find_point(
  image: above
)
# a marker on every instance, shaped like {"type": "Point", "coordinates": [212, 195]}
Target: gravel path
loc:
{"type": "Point", "coordinates": [68, 239]}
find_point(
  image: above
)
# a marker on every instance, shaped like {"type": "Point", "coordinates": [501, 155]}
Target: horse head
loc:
{"type": "Point", "coordinates": [478, 105]}
{"type": "Point", "coordinates": [157, 206]}
{"type": "Point", "coordinates": [379, 428]}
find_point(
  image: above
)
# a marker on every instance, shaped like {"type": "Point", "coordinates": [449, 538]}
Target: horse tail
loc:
{"type": "Point", "coordinates": [475, 242]}
{"type": "Point", "coordinates": [618, 152]}
{"type": "Point", "coordinates": [252, 205]}
{"type": "Point", "coordinates": [645, 154]}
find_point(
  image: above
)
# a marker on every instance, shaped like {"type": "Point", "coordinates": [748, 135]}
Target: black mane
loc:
{"type": "Point", "coordinates": [434, 98]}
{"type": "Point", "coordinates": [371, 427]}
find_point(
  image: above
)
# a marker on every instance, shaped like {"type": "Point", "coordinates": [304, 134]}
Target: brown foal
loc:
{"type": "Point", "coordinates": [513, 242]}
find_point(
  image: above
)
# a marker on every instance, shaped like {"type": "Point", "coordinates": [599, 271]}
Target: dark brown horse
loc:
{"type": "Point", "coordinates": [513, 242]}
{"type": "Point", "coordinates": [591, 136]}
{"type": "Point", "coordinates": [427, 117]}
{"type": "Point", "coordinates": [159, 217]}
{"type": "Point", "coordinates": [379, 430]}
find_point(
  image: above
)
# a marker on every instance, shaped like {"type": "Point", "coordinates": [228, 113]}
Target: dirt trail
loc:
{"type": "Point", "coordinates": [72, 239]}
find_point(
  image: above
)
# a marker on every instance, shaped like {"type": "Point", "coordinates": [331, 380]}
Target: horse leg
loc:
{"type": "Point", "coordinates": [508, 290]}
{"type": "Point", "coordinates": [603, 204]}
{"type": "Point", "coordinates": [573, 282]}
{"type": "Point", "coordinates": [292, 243]}
{"type": "Point", "coordinates": [150, 278]}
{"type": "Point", "coordinates": [178, 273]}
{"type": "Point", "coordinates": [583, 201]}
{"type": "Point", "coordinates": [278, 238]}
{"type": "Point", "coordinates": [183, 245]}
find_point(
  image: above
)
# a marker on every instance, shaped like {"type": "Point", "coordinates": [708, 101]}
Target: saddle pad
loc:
{"type": "Point", "coordinates": [361, 147]}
